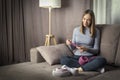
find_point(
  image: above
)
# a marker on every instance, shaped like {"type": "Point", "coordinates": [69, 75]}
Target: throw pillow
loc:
{"type": "Point", "coordinates": [53, 53]}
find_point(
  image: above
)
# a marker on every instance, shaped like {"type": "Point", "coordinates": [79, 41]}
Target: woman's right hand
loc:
{"type": "Point", "coordinates": [68, 42]}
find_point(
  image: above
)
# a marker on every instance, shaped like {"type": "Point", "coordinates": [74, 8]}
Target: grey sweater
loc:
{"type": "Point", "coordinates": [91, 43]}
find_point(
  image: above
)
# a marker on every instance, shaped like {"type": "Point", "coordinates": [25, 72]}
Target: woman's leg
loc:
{"type": "Point", "coordinates": [70, 61]}
{"type": "Point", "coordinates": [95, 64]}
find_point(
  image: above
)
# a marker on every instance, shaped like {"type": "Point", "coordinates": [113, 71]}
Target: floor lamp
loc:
{"type": "Point", "coordinates": [50, 4]}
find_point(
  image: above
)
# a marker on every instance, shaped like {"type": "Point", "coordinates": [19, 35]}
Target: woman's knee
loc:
{"type": "Point", "coordinates": [64, 60]}
{"type": "Point", "coordinates": [101, 60]}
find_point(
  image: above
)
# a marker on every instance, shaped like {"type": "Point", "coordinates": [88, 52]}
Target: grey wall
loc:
{"type": "Point", "coordinates": [64, 19]}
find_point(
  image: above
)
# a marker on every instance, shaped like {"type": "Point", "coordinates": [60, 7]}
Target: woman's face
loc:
{"type": "Point", "coordinates": [86, 20]}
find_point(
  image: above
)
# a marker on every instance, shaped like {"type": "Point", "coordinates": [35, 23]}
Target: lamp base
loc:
{"type": "Point", "coordinates": [49, 39]}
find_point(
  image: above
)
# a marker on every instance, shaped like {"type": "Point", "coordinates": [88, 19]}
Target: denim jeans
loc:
{"type": "Point", "coordinates": [72, 61]}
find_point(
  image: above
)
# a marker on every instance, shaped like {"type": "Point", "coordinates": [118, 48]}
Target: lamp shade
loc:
{"type": "Point", "coordinates": [50, 3]}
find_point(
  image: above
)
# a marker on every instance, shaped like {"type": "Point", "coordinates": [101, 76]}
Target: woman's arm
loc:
{"type": "Point", "coordinates": [96, 46]}
{"type": "Point", "coordinates": [73, 42]}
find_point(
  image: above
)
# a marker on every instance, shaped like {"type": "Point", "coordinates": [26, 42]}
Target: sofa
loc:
{"type": "Point", "coordinates": [48, 57]}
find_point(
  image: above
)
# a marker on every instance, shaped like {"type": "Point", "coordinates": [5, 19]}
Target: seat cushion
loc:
{"type": "Point", "coordinates": [117, 60]}
{"type": "Point", "coordinates": [110, 75]}
{"type": "Point", "coordinates": [36, 71]}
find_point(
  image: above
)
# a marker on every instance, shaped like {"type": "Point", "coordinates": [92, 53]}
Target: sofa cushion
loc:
{"type": "Point", "coordinates": [53, 53]}
{"type": "Point", "coordinates": [39, 71]}
{"type": "Point", "coordinates": [110, 75]}
{"type": "Point", "coordinates": [109, 41]}
{"type": "Point", "coordinates": [117, 60]}
{"type": "Point", "coordinates": [35, 56]}
{"type": "Point", "coordinates": [46, 71]}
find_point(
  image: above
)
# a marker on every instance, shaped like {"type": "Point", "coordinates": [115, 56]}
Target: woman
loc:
{"type": "Point", "coordinates": [85, 42]}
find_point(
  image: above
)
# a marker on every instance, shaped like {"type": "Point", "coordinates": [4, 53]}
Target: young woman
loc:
{"type": "Point", "coordinates": [85, 42]}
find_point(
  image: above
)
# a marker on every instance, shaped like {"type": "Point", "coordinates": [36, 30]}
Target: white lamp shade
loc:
{"type": "Point", "coordinates": [50, 3]}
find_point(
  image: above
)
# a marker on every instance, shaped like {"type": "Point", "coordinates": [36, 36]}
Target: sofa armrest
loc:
{"type": "Point", "coordinates": [35, 56]}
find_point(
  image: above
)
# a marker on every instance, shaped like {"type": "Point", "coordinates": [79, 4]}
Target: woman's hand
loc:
{"type": "Point", "coordinates": [68, 42]}
{"type": "Point", "coordinates": [81, 48]}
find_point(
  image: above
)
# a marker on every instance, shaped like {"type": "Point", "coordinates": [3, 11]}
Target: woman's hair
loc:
{"type": "Point", "coordinates": [92, 25]}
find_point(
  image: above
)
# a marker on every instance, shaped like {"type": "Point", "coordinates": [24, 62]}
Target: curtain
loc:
{"type": "Point", "coordinates": [12, 40]}
{"type": "Point", "coordinates": [102, 10]}
{"type": "Point", "coordinates": [20, 29]}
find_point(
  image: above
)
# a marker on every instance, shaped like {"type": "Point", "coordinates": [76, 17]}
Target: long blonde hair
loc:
{"type": "Point", "coordinates": [92, 25]}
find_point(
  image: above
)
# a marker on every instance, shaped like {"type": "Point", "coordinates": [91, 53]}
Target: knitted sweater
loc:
{"type": "Point", "coordinates": [91, 43]}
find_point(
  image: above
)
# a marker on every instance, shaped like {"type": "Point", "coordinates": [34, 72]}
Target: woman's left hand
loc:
{"type": "Point", "coordinates": [81, 48]}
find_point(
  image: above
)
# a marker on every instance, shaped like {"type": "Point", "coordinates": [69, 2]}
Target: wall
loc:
{"type": "Point", "coordinates": [64, 19]}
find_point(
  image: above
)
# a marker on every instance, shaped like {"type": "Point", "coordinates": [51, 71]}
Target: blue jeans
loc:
{"type": "Point", "coordinates": [72, 61]}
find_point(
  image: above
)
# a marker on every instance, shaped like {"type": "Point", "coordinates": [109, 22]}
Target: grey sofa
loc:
{"type": "Point", "coordinates": [109, 49]}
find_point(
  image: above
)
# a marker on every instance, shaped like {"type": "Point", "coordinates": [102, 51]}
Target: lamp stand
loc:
{"type": "Point", "coordinates": [50, 38]}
